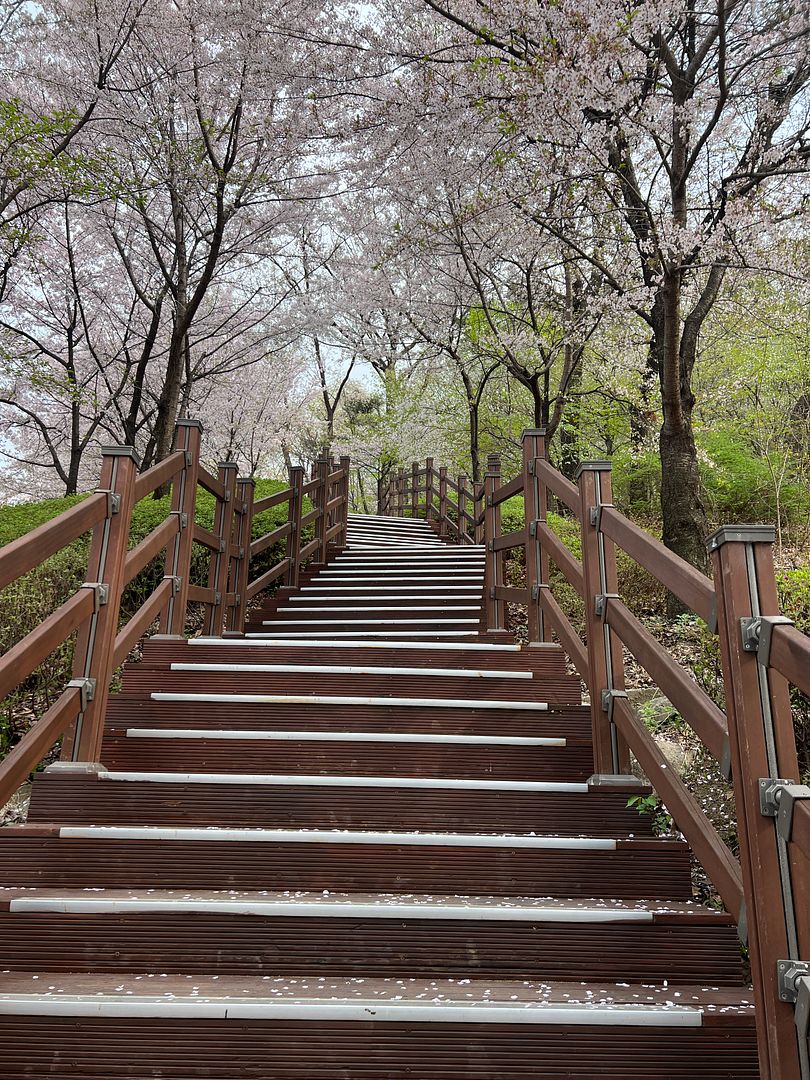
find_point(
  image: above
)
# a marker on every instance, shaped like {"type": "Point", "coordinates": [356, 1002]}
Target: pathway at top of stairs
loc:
{"type": "Point", "coordinates": [359, 842]}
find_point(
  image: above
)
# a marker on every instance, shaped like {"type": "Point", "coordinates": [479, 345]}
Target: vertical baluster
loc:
{"type": "Point", "coordinates": [762, 750]}
{"type": "Point", "coordinates": [415, 489]}
{"type": "Point", "coordinates": [321, 498]}
{"type": "Point", "coordinates": [429, 508]}
{"type": "Point", "coordinates": [463, 524]}
{"type": "Point", "coordinates": [294, 521]}
{"type": "Point", "coordinates": [605, 659]}
{"type": "Point", "coordinates": [343, 511]}
{"type": "Point", "coordinates": [443, 522]}
{"type": "Point", "coordinates": [492, 529]}
{"type": "Point", "coordinates": [245, 498]}
{"type": "Point", "coordinates": [187, 437]}
{"type": "Point", "coordinates": [219, 563]}
{"type": "Point", "coordinates": [479, 501]}
{"type": "Point", "coordinates": [534, 501]}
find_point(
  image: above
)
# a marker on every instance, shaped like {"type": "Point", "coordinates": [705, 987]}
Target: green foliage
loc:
{"type": "Point", "coordinates": [651, 806]}
{"type": "Point", "coordinates": [739, 484]}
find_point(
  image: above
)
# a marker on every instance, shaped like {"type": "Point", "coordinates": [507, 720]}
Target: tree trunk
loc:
{"type": "Point", "coordinates": [685, 526]}
{"type": "Point", "coordinates": [475, 453]}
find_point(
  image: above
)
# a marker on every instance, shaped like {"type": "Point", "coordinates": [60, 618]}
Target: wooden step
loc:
{"type": "Point", "coordinates": [345, 935]}
{"type": "Point", "coordinates": [571, 723]}
{"type": "Point", "coordinates": [127, 857]}
{"type": "Point", "coordinates": [253, 750]}
{"type": "Point", "coordinates": [230, 1027]}
{"type": "Point", "coordinates": [116, 798]}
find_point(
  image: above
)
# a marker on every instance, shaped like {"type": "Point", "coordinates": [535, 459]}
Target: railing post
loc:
{"type": "Point", "coordinates": [535, 509]}
{"type": "Point", "coordinates": [763, 750]}
{"type": "Point", "coordinates": [187, 435]}
{"type": "Point", "coordinates": [343, 511]}
{"type": "Point", "coordinates": [93, 656]}
{"type": "Point", "coordinates": [245, 497]}
{"type": "Point", "coordinates": [478, 507]}
{"type": "Point", "coordinates": [320, 500]}
{"type": "Point", "coordinates": [380, 496]}
{"type": "Point", "coordinates": [219, 563]}
{"type": "Point", "coordinates": [463, 524]}
{"type": "Point", "coordinates": [429, 514]}
{"type": "Point", "coordinates": [415, 489]}
{"type": "Point", "coordinates": [294, 521]}
{"type": "Point", "coordinates": [443, 530]}
{"type": "Point", "coordinates": [605, 659]}
{"type": "Point", "coordinates": [493, 576]}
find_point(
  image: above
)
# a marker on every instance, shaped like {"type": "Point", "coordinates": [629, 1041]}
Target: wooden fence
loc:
{"type": "Point", "coordinates": [766, 887]}
{"type": "Point", "coordinates": [93, 612]}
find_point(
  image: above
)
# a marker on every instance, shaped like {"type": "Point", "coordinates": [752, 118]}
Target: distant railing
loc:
{"type": "Point", "coordinates": [93, 611]}
{"type": "Point", "coordinates": [423, 492]}
{"type": "Point", "coordinates": [767, 889]}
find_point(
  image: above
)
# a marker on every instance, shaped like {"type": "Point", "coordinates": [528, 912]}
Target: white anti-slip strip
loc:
{"type": "Point", "coordinates": [415, 783]}
{"type": "Point", "coordinates": [336, 836]}
{"type": "Point", "coordinates": [453, 646]}
{"type": "Point", "coordinates": [324, 699]}
{"type": "Point", "coordinates": [296, 909]}
{"type": "Point", "coordinates": [367, 633]}
{"type": "Point", "coordinates": [340, 594]}
{"type": "Point", "coordinates": [337, 669]}
{"type": "Point", "coordinates": [370, 622]}
{"type": "Point", "coordinates": [351, 610]}
{"type": "Point", "coordinates": [447, 1012]}
{"type": "Point", "coordinates": [253, 735]}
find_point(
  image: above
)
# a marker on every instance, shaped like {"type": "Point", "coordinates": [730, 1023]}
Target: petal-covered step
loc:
{"type": "Point", "coordinates": [342, 934]}
{"type": "Point", "coordinates": [346, 860]}
{"type": "Point", "coordinates": [229, 1027]}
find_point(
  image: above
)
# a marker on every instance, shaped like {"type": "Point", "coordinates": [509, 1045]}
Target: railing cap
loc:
{"type": "Point", "coordinates": [186, 421]}
{"type": "Point", "coordinates": [227, 464]}
{"type": "Point", "coordinates": [246, 480]}
{"type": "Point", "coordinates": [121, 451]}
{"type": "Point", "coordinates": [593, 466]}
{"type": "Point", "coordinates": [746, 534]}
{"type": "Point", "coordinates": [529, 431]}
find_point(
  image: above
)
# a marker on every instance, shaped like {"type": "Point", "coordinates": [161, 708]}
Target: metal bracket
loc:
{"type": "Point", "coordinates": [101, 593]}
{"type": "Point", "coordinates": [217, 598]}
{"type": "Point", "coordinates": [489, 500]}
{"type": "Point", "coordinates": [609, 700]}
{"type": "Point", "coordinates": [222, 546]}
{"type": "Point", "coordinates": [793, 978]}
{"type": "Point", "coordinates": [757, 634]}
{"type": "Point", "coordinates": [536, 590]}
{"type": "Point", "coordinates": [86, 688]}
{"type": "Point", "coordinates": [600, 603]}
{"type": "Point", "coordinates": [777, 799]}
{"type": "Point", "coordinates": [189, 459]}
{"type": "Point", "coordinates": [788, 975]}
{"type": "Point", "coordinates": [113, 501]}
{"type": "Point", "coordinates": [175, 580]}
{"type": "Point", "coordinates": [227, 496]}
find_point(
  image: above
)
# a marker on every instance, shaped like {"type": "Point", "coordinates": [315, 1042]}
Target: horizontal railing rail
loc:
{"type": "Point", "coordinates": [762, 656]}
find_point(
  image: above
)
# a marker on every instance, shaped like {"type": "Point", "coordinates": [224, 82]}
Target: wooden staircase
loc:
{"type": "Point", "coordinates": [362, 841]}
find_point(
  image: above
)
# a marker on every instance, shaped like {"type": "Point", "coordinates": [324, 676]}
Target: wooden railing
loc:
{"type": "Point", "coordinates": [93, 611]}
{"type": "Point", "coordinates": [766, 889]}
{"type": "Point", "coordinates": [457, 506]}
